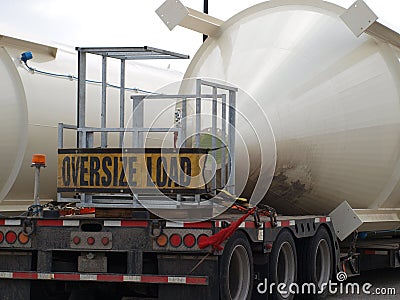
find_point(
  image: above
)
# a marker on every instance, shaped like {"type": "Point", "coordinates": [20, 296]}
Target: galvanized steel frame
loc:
{"type": "Point", "coordinates": [85, 135]}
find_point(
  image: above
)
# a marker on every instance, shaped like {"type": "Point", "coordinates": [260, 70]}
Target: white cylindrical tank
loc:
{"type": "Point", "coordinates": [332, 99]}
{"type": "Point", "coordinates": [31, 106]}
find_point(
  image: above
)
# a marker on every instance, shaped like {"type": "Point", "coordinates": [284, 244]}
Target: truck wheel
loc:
{"type": "Point", "coordinates": [236, 269]}
{"type": "Point", "coordinates": [316, 263]}
{"type": "Point", "coordinates": [282, 266]}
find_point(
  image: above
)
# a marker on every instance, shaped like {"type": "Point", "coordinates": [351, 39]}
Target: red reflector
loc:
{"type": "Point", "coordinates": [1, 237]}
{"type": "Point", "coordinates": [201, 237]}
{"type": "Point", "coordinates": [105, 241]}
{"type": "Point", "coordinates": [189, 240]}
{"type": "Point", "coordinates": [11, 237]}
{"type": "Point", "coordinates": [76, 240]}
{"type": "Point", "coordinates": [175, 240]}
{"type": "Point", "coordinates": [90, 240]}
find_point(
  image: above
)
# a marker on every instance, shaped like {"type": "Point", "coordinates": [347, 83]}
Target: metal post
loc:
{"type": "Point", "coordinates": [37, 186]}
{"type": "Point", "coordinates": [38, 161]}
{"type": "Point", "coordinates": [214, 138]}
{"type": "Point", "coordinates": [122, 102]}
{"type": "Point", "coordinates": [231, 141]}
{"type": "Point", "coordinates": [60, 135]}
{"type": "Point", "coordinates": [104, 101]}
{"type": "Point", "coordinates": [84, 139]}
{"type": "Point", "coordinates": [137, 120]}
{"type": "Point", "coordinates": [184, 122]}
{"type": "Point", "coordinates": [81, 105]}
{"type": "Point", "coordinates": [223, 149]}
{"type": "Point", "coordinates": [205, 10]}
{"type": "Point", "coordinates": [198, 113]}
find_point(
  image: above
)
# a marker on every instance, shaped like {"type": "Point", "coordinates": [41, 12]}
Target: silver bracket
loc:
{"type": "Point", "coordinates": [173, 13]}
{"type": "Point", "coordinates": [344, 220]}
{"type": "Point", "coordinates": [359, 17]}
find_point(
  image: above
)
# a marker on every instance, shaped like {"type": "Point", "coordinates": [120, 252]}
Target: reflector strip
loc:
{"type": "Point", "coordinates": [285, 223]}
{"type": "Point", "coordinates": [131, 278]}
{"type": "Point", "coordinates": [6, 275]}
{"type": "Point", "coordinates": [181, 280]}
{"type": "Point", "coordinates": [88, 277]}
{"type": "Point", "coordinates": [189, 280]}
{"type": "Point", "coordinates": [57, 223]}
{"type": "Point", "coordinates": [71, 223]}
{"type": "Point", "coordinates": [112, 223]}
{"type": "Point", "coordinates": [45, 276]}
{"type": "Point", "coordinates": [50, 222]}
{"type": "Point", "coordinates": [174, 224]}
{"type": "Point", "coordinates": [154, 279]}
{"type": "Point", "coordinates": [197, 280]}
{"type": "Point", "coordinates": [249, 224]}
{"type": "Point", "coordinates": [376, 252]}
{"type": "Point", "coordinates": [10, 222]}
{"type": "Point", "coordinates": [322, 220]}
{"type": "Point", "coordinates": [109, 278]}
{"type": "Point", "coordinates": [67, 276]}
{"type": "Point", "coordinates": [134, 223]}
{"type": "Point", "coordinates": [24, 275]}
{"type": "Point", "coordinates": [125, 223]}
{"type": "Point", "coordinates": [198, 225]}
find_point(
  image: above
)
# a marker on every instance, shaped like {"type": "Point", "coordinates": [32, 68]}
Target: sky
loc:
{"type": "Point", "coordinates": [130, 22]}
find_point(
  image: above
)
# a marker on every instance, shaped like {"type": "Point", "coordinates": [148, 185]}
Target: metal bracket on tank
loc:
{"type": "Point", "coordinates": [173, 13]}
{"type": "Point", "coordinates": [345, 220]}
{"type": "Point", "coordinates": [360, 18]}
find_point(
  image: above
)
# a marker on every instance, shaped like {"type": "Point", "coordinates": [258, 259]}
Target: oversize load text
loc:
{"type": "Point", "coordinates": [133, 170]}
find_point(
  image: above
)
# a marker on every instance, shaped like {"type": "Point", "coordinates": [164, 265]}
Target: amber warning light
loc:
{"type": "Point", "coordinates": [39, 159]}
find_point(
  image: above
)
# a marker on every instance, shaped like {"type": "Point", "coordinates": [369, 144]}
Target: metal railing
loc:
{"type": "Point", "coordinates": [222, 130]}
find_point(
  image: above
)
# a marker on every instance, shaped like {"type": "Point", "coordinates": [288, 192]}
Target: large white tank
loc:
{"type": "Point", "coordinates": [332, 99]}
{"type": "Point", "coordinates": [31, 106]}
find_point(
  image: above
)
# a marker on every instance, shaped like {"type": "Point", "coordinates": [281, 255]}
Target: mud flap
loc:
{"type": "Point", "coordinates": [11, 289]}
{"type": "Point", "coordinates": [181, 265]}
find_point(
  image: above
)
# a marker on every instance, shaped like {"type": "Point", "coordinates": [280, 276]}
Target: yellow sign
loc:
{"type": "Point", "coordinates": [110, 170]}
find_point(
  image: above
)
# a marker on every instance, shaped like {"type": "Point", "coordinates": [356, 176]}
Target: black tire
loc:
{"type": "Point", "coordinates": [282, 266]}
{"type": "Point", "coordinates": [236, 269]}
{"type": "Point", "coordinates": [316, 263]}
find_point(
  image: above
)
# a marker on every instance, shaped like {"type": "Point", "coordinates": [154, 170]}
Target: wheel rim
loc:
{"type": "Point", "coordinates": [323, 265]}
{"type": "Point", "coordinates": [286, 267]}
{"type": "Point", "coordinates": [239, 273]}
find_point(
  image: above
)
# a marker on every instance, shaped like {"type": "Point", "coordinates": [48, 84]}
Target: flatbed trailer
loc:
{"type": "Point", "coordinates": [121, 257]}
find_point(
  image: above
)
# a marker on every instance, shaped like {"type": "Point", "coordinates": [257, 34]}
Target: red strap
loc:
{"type": "Point", "coordinates": [217, 239]}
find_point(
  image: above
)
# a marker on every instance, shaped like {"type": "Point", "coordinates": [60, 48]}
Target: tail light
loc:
{"type": "Point", "coordinates": [1, 237]}
{"type": "Point", "coordinates": [76, 240]}
{"type": "Point", "coordinates": [11, 237]}
{"type": "Point", "coordinates": [175, 240]}
{"type": "Point", "coordinates": [201, 237]}
{"type": "Point", "coordinates": [162, 240]}
{"type": "Point", "coordinates": [23, 238]}
{"type": "Point", "coordinates": [189, 240]}
{"type": "Point", "coordinates": [105, 241]}
{"type": "Point", "coordinates": [90, 240]}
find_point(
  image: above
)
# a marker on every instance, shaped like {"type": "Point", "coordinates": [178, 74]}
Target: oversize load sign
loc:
{"type": "Point", "coordinates": [134, 170]}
